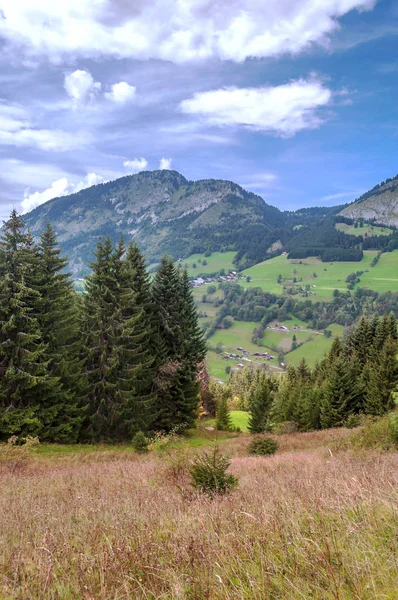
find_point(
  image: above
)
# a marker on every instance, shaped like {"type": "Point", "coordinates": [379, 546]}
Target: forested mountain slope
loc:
{"type": "Point", "coordinates": [163, 212]}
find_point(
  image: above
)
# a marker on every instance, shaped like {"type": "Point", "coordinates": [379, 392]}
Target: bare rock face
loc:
{"type": "Point", "coordinates": [161, 210]}
{"type": "Point", "coordinates": [379, 204]}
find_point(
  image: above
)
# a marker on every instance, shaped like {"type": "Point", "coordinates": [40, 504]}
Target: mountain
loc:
{"type": "Point", "coordinates": [379, 204]}
{"type": "Point", "coordinates": [163, 212]}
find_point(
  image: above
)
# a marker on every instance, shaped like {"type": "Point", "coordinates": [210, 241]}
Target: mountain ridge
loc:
{"type": "Point", "coordinates": [161, 210]}
{"type": "Point", "coordinates": [380, 204]}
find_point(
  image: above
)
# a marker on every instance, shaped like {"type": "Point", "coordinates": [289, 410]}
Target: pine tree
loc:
{"type": "Point", "coordinates": [59, 325]}
{"type": "Point", "coordinates": [259, 407]}
{"type": "Point", "coordinates": [383, 380]}
{"type": "Point", "coordinates": [381, 333]}
{"type": "Point", "coordinates": [28, 392]}
{"type": "Point", "coordinates": [223, 416]}
{"type": "Point", "coordinates": [194, 342]}
{"type": "Point", "coordinates": [360, 340]}
{"type": "Point", "coordinates": [176, 381]}
{"type": "Point", "coordinates": [303, 371]}
{"type": "Point", "coordinates": [135, 352]}
{"type": "Point", "coordinates": [392, 326]}
{"type": "Point", "coordinates": [101, 331]}
{"type": "Point", "coordinates": [337, 395]}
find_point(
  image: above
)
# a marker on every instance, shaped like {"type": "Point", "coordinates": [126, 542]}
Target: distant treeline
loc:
{"type": "Point", "coordinates": [254, 304]}
{"type": "Point", "coordinates": [329, 254]}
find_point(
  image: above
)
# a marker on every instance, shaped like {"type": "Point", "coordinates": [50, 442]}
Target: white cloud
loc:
{"type": "Point", "coordinates": [81, 87]}
{"type": "Point", "coordinates": [282, 110]}
{"type": "Point", "coordinates": [61, 187]}
{"type": "Point", "coordinates": [261, 181]}
{"type": "Point", "coordinates": [24, 173]}
{"type": "Point", "coordinates": [177, 31]}
{"type": "Point", "coordinates": [121, 92]}
{"type": "Point", "coordinates": [165, 164]}
{"type": "Point", "coordinates": [136, 165]}
{"type": "Point", "coordinates": [16, 129]}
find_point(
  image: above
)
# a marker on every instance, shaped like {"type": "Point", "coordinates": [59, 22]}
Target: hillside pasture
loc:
{"type": "Point", "coordinates": [215, 262]}
{"type": "Point", "coordinates": [366, 231]}
{"type": "Point", "coordinates": [313, 346]}
{"type": "Point", "coordinates": [312, 350]}
{"type": "Point", "coordinates": [384, 276]}
{"type": "Point", "coordinates": [329, 276]}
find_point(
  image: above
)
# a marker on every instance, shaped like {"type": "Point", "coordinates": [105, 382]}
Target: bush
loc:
{"type": "Point", "coordinates": [140, 443]}
{"type": "Point", "coordinates": [285, 427]}
{"type": "Point", "coordinates": [263, 446]}
{"type": "Point", "coordinates": [15, 456]}
{"type": "Point", "coordinates": [377, 433]}
{"type": "Point", "coordinates": [209, 473]}
{"type": "Point", "coordinates": [353, 421]}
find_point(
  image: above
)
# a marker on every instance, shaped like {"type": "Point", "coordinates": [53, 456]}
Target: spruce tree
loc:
{"type": "Point", "coordinates": [259, 407]}
{"type": "Point", "coordinates": [59, 324]}
{"type": "Point", "coordinates": [223, 416]}
{"type": "Point", "coordinates": [101, 331]}
{"type": "Point", "coordinates": [337, 394]}
{"type": "Point", "coordinates": [29, 403]}
{"type": "Point", "coordinates": [135, 353]}
{"type": "Point", "coordinates": [383, 380]}
{"type": "Point", "coordinates": [176, 380]}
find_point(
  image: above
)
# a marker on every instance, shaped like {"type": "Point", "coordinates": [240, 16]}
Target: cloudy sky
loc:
{"type": "Point", "coordinates": [296, 101]}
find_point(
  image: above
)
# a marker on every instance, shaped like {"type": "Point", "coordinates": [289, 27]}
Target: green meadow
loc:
{"type": "Point", "coordinates": [215, 262]}
{"type": "Point", "coordinates": [329, 276]}
{"type": "Point", "coordinates": [366, 231]}
{"type": "Point", "coordinates": [312, 350]}
{"type": "Point", "coordinates": [312, 345]}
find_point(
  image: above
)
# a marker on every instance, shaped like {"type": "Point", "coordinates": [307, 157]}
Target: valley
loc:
{"type": "Point", "coordinates": [306, 279]}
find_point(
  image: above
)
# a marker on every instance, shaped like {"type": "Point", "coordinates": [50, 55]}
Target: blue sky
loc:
{"type": "Point", "coordinates": [296, 101]}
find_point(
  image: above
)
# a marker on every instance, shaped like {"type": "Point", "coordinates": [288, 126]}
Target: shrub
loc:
{"type": "Point", "coordinates": [140, 443]}
{"type": "Point", "coordinates": [353, 421]}
{"type": "Point", "coordinates": [377, 433]}
{"type": "Point", "coordinates": [285, 427]}
{"type": "Point", "coordinates": [15, 455]}
{"type": "Point", "coordinates": [263, 446]}
{"type": "Point", "coordinates": [209, 473]}
{"type": "Point", "coordinates": [167, 442]}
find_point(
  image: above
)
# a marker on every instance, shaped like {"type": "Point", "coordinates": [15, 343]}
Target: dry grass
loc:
{"type": "Point", "coordinates": [302, 524]}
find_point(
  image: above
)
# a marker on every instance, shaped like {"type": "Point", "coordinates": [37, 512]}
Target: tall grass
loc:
{"type": "Point", "coordinates": [305, 523]}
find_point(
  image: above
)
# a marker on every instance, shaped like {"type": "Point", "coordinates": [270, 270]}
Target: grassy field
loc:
{"type": "Point", "coordinates": [329, 276]}
{"type": "Point", "coordinates": [239, 418]}
{"type": "Point", "coordinates": [309, 522]}
{"type": "Point", "coordinates": [384, 276]}
{"type": "Point", "coordinates": [312, 351]}
{"type": "Point", "coordinates": [366, 230]}
{"type": "Point", "coordinates": [314, 345]}
{"type": "Point", "coordinates": [215, 262]}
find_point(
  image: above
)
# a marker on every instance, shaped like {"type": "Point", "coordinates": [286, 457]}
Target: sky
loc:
{"type": "Point", "coordinates": [295, 101]}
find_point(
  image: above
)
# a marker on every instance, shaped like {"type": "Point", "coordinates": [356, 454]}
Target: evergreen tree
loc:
{"type": "Point", "coordinates": [303, 371]}
{"type": "Point", "coordinates": [101, 331]}
{"type": "Point", "coordinates": [383, 380]}
{"type": "Point", "coordinates": [337, 395]}
{"type": "Point", "coordinates": [177, 385]}
{"type": "Point", "coordinates": [392, 326]}
{"type": "Point", "coordinates": [29, 402]}
{"type": "Point", "coordinates": [259, 407]}
{"type": "Point", "coordinates": [223, 416]}
{"type": "Point", "coordinates": [59, 324]}
{"type": "Point", "coordinates": [135, 352]}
